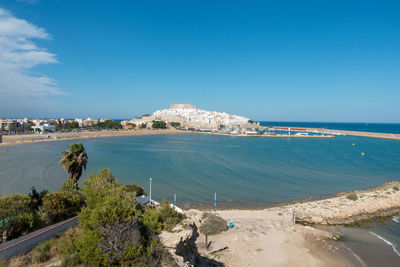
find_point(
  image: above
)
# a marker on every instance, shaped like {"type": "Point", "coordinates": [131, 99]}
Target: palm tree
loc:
{"type": "Point", "coordinates": [74, 160]}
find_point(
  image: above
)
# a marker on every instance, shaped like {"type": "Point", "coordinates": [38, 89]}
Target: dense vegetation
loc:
{"type": "Point", "coordinates": [106, 125]}
{"type": "Point", "coordinates": [21, 214]}
{"type": "Point", "coordinates": [175, 124]}
{"type": "Point", "coordinates": [114, 229]}
{"type": "Point", "coordinates": [159, 125]}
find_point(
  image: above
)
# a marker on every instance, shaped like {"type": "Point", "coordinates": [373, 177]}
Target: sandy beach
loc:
{"type": "Point", "coordinates": [273, 237]}
{"type": "Point", "coordinates": [51, 137]}
{"type": "Point", "coordinates": [270, 238]}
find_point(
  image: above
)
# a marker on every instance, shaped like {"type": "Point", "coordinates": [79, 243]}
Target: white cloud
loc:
{"type": "Point", "coordinates": [18, 55]}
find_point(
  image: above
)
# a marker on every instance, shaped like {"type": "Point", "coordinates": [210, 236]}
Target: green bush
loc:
{"type": "Point", "coordinates": [71, 260]}
{"type": "Point", "coordinates": [395, 188]}
{"type": "Point", "coordinates": [16, 215]}
{"type": "Point", "coordinates": [13, 205]}
{"type": "Point", "coordinates": [36, 198]}
{"type": "Point", "coordinates": [159, 125]}
{"type": "Point", "coordinates": [213, 225]}
{"type": "Point", "coordinates": [42, 252]}
{"type": "Point", "coordinates": [111, 222]}
{"type": "Point", "coordinates": [352, 196]}
{"type": "Point", "coordinates": [61, 205]}
{"type": "Point", "coordinates": [134, 188]}
{"type": "Point", "coordinates": [169, 216]}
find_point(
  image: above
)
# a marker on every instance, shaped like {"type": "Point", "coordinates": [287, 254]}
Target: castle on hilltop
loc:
{"type": "Point", "coordinates": [190, 116]}
{"type": "Point", "coordinates": [176, 106]}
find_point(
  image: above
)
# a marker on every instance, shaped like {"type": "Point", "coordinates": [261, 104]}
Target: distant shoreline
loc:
{"type": "Point", "coordinates": [9, 140]}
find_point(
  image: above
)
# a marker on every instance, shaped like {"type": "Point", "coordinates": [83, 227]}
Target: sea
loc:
{"type": "Point", "coordinates": [243, 172]}
{"type": "Point", "coordinates": [362, 127]}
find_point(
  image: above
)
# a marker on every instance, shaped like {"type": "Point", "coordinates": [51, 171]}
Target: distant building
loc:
{"type": "Point", "coordinates": [80, 122]}
{"type": "Point", "coordinates": [44, 128]}
{"type": "Point", "coordinates": [103, 120]}
{"type": "Point", "coordinates": [90, 122]}
{"type": "Point", "coordinates": [187, 106]}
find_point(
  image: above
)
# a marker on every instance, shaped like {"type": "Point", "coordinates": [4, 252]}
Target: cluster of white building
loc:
{"type": "Point", "coordinates": [41, 125]}
{"type": "Point", "coordinates": [192, 117]}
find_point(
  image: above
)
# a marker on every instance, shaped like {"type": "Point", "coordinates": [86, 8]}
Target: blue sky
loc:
{"type": "Point", "coordinates": [267, 60]}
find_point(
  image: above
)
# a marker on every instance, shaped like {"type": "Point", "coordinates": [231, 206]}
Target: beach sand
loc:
{"type": "Point", "coordinates": [34, 138]}
{"type": "Point", "coordinates": [270, 238]}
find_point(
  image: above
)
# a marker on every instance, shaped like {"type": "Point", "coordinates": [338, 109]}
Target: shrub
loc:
{"type": "Point", "coordinates": [67, 243]}
{"type": "Point", "coordinates": [36, 198]}
{"type": "Point", "coordinates": [16, 216]}
{"type": "Point", "coordinates": [352, 196]}
{"type": "Point", "coordinates": [169, 216]}
{"type": "Point", "coordinates": [395, 188]}
{"type": "Point", "coordinates": [110, 222]}
{"type": "Point", "coordinates": [42, 252]}
{"type": "Point", "coordinates": [213, 225]}
{"type": "Point", "coordinates": [61, 205]}
{"type": "Point", "coordinates": [133, 188]}
{"type": "Point", "coordinates": [13, 205]}
{"type": "Point", "coordinates": [159, 125]}
{"type": "Point", "coordinates": [71, 260]}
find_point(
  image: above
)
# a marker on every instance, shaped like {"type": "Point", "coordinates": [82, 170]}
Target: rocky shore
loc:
{"type": "Point", "coordinates": [349, 208]}
{"type": "Point", "coordinates": [279, 236]}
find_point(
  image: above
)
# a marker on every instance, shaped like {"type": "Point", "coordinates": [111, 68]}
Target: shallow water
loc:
{"type": "Point", "coordinates": [249, 171]}
{"type": "Point", "coordinates": [374, 244]}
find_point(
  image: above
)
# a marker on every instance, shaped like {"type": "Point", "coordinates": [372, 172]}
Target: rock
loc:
{"type": "Point", "coordinates": [181, 244]}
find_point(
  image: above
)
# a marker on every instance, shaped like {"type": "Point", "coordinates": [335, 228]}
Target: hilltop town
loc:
{"type": "Point", "coordinates": [189, 116]}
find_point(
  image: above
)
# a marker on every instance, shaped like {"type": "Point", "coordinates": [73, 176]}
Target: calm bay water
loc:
{"type": "Point", "coordinates": [362, 127]}
{"type": "Point", "coordinates": [248, 171]}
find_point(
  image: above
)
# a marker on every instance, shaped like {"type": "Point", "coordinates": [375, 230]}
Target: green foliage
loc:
{"type": "Point", "coordinates": [116, 229]}
{"type": "Point", "coordinates": [36, 198]}
{"type": "Point", "coordinates": [352, 196]}
{"type": "Point", "coordinates": [175, 124]}
{"type": "Point", "coordinates": [21, 224]}
{"type": "Point", "coordinates": [42, 252]}
{"type": "Point", "coordinates": [251, 121]}
{"type": "Point", "coordinates": [73, 259]}
{"type": "Point", "coordinates": [98, 186]}
{"type": "Point", "coordinates": [395, 188]}
{"type": "Point", "coordinates": [17, 216]}
{"type": "Point", "coordinates": [133, 188]}
{"type": "Point", "coordinates": [107, 124]}
{"type": "Point", "coordinates": [163, 218]}
{"type": "Point", "coordinates": [169, 216]}
{"type": "Point", "coordinates": [108, 207]}
{"type": "Point", "coordinates": [213, 225]}
{"type": "Point", "coordinates": [143, 126]}
{"type": "Point", "coordinates": [159, 125]}
{"type": "Point", "coordinates": [132, 125]}
{"type": "Point", "coordinates": [61, 205]}
{"type": "Point", "coordinates": [74, 160]}
{"type": "Point", "coordinates": [70, 125]}
{"type": "Point", "coordinates": [13, 205]}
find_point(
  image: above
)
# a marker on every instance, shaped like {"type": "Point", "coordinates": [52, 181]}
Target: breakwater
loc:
{"type": "Point", "coordinates": [349, 208]}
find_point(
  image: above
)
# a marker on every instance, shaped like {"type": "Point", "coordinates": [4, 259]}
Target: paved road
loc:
{"type": "Point", "coordinates": [26, 243]}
